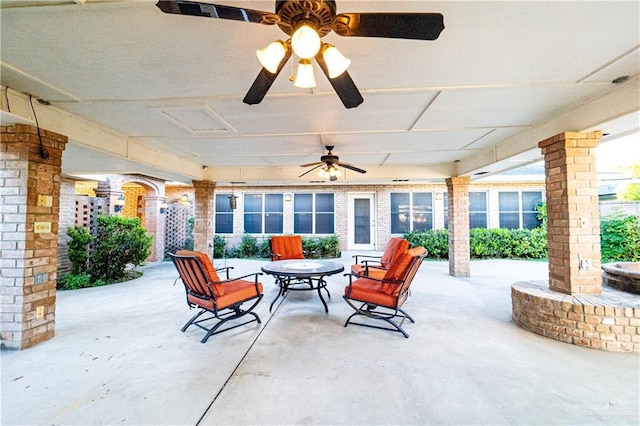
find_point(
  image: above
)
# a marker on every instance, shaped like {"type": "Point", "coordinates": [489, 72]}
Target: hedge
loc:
{"type": "Point", "coordinates": [486, 243]}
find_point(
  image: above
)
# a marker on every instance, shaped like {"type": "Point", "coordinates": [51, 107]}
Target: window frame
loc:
{"type": "Point", "coordinates": [314, 213]}
{"type": "Point", "coordinates": [263, 212]}
{"type": "Point", "coordinates": [218, 213]}
{"type": "Point", "coordinates": [411, 212]}
{"type": "Point", "coordinates": [521, 212]}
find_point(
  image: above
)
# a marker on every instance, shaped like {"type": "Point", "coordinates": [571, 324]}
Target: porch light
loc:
{"type": "Point", "coordinates": [305, 78]}
{"type": "Point", "coordinates": [305, 42]}
{"type": "Point", "coordinates": [233, 201]}
{"type": "Point", "coordinates": [164, 206]}
{"type": "Point", "coordinates": [336, 62]}
{"type": "Point", "coordinates": [271, 56]}
{"type": "Point", "coordinates": [119, 204]}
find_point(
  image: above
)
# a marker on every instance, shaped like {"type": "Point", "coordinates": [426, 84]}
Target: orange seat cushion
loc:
{"type": "Point", "coordinates": [287, 246]}
{"type": "Point", "coordinates": [236, 291]}
{"type": "Point", "coordinates": [212, 275]}
{"type": "Point", "coordinates": [370, 291]}
{"type": "Point", "coordinates": [372, 271]}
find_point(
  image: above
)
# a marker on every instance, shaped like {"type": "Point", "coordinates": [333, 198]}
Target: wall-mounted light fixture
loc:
{"type": "Point", "coordinates": [164, 206]}
{"type": "Point", "coordinates": [233, 203]}
{"type": "Point", "coordinates": [438, 196]}
{"type": "Point", "coordinates": [119, 204]}
{"type": "Point", "coordinates": [287, 197]}
{"type": "Point", "coordinates": [184, 200]}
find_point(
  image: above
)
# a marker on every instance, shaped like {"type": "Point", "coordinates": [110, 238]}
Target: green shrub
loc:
{"type": "Point", "coordinates": [78, 248]}
{"type": "Point", "coordinates": [75, 281]}
{"type": "Point", "coordinates": [219, 243]}
{"type": "Point", "coordinates": [120, 242]}
{"type": "Point", "coordinates": [248, 246]}
{"type": "Point", "coordinates": [329, 246]}
{"type": "Point", "coordinates": [436, 241]}
{"type": "Point", "coordinates": [486, 243]}
{"type": "Point", "coordinates": [620, 238]}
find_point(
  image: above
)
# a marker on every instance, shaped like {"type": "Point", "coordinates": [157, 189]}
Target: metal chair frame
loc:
{"type": "Point", "coordinates": [383, 312]}
{"type": "Point", "coordinates": [193, 276]}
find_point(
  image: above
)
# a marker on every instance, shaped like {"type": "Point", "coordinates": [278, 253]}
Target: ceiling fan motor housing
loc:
{"type": "Point", "coordinates": [294, 13]}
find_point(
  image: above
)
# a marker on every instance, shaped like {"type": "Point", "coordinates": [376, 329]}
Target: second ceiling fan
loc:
{"type": "Point", "coordinates": [306, 22]}
{"type": "Point", "coordinates": [329, 164]}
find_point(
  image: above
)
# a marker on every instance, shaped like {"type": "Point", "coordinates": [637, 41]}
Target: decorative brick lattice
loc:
{"type": "Point", "coordinates": [87, 211]}
{"type": "Point", "coordinates": [177, 235]}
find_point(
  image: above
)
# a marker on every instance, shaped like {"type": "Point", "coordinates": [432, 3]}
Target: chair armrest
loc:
{"type": "Point", "coordinates": [255, 275]}
{"type": "Point", "coordinates": [356, 256]}
{"type": "Point", "coordinates": [275, 256]}
{"type": "Point", "coordinates": [380, 280]}
{"type": "Point", "coordinates": [226, 270]}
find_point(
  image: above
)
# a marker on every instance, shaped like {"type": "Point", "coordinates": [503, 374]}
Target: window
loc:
{"type": "Point", "coordinates": [224, 214]}
{"type": "Point", "coordinates": [411, 211]}
{"type": "Point", "coordinates": [313, 214]}
{"type": "Point", "coordinates": [263, 213]}
{"type": "Point", "coordinates": [518, 209]}
{"type": "Point", "coordinates": [477, 210]}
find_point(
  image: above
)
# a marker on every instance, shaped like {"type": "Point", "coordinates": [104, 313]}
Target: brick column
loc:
{"type": "Point", "coordinates": [573, 218]}
{"type": "Point", "coordinates": [203, 230]}
{"type": "Point", "coordinates": [459, 255]}
{"type": "Point", "coordinates": [154, 224]}
{"type": "Point", "coordinates": [29, 213]}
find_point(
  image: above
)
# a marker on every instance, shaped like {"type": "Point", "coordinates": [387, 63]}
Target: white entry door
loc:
{"type": "Point", "coordinates": [362, 221]}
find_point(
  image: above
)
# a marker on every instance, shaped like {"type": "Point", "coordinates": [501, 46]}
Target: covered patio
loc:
{"type": "Point", "coordinates": [119, 357]}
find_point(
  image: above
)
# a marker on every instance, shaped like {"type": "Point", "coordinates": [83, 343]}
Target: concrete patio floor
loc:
{"type": "Point", "coordinates": [119, 357]}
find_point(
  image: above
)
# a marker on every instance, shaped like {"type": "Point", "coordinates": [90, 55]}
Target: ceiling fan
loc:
{"type": "Point", "coordinates": [329, 164]}
{"type": "Point", "coordinates": [306, 22]}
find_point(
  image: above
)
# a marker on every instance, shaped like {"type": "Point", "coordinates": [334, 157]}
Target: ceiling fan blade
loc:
{"type": "Point", "coordinates": [310, 170]}
{"type": "Point", "coordinates": [208, 10]}
{"type": "Point", "coordinates": [351, 167]}
{"type": "Point", "coordinates": [311, 164]}
{"type": "Point", "coordinates": [416, 26]}
{"type": "Point", "coordinates": [343, 85]}
{"type": "Point", "coordinates": [263, 82]}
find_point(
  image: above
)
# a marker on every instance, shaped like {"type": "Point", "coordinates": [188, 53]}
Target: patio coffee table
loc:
{"type": "Point", "coordinates": [302, 275]}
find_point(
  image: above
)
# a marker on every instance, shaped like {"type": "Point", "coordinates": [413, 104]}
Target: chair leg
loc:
{"type": "Point", "coordinates": [234, 312]}
{"type": "Point", "coordinates": [193, 318]}
{"type": "Point", "coordinates": [369, 311]}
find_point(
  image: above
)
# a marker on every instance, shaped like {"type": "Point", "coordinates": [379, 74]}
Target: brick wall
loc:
{"type": "Point", "coordinates": [29, 202]}
{"type": "Point", "coordinates": [572, 209]}
{"type": "Point", "coordinates": [67, 219]}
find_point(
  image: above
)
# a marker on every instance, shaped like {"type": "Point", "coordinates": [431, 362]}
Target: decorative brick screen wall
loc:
{"type": "Point", "coordinates": [176, 232]}
{"type": "Point", "coordinates": [87, 211]}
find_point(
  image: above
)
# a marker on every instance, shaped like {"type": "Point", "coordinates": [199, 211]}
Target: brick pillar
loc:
{"type": "Point", "coordinates": [203, 225]}
{"type": "Point", "coordinates": [111, 190]}
{"type": "Point", "coordinates": [154, 224]}
{"type": "Point", "coordinates": [29, 213]}
{"type": "Point", "coordinates": [459, 255]}
{"type": "Point", "coordinates": [573, 218]}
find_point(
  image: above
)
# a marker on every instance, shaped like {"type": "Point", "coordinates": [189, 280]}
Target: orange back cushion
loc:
{"type": "Point", "coordinates": [204, 260]}
{"type": "Point", "coordinates": [395, 247]}
{"type": "Point", "coordinates": [399, 269]}
{"type": "Point", "coordinates": [287, 246]}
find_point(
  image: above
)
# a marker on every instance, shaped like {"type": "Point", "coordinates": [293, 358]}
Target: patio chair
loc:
{"type": "Point", "coordinates": [285, 247]}
{"type": "Point", "coordinates": [208, 293]}
{"type": "Point", "coordinates": [382, 299]}
{"type": "Point", "coordinates": [376, 266]}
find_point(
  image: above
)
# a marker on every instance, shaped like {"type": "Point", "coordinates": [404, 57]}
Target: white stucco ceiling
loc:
{"type": "Point", "coordinates": [140, 91]}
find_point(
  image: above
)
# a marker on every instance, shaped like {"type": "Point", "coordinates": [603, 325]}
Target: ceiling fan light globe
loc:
{"type": "Point", "coordinates": [336, 62]}
{"type": "Point", "coordinates": [304, 77]}
{"type": "Point", "coordinates": [323, 173]}
{"type": "Point", "coordinates": [271, 56]}
{"type": "Point", "coordinates": [305, 42]}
